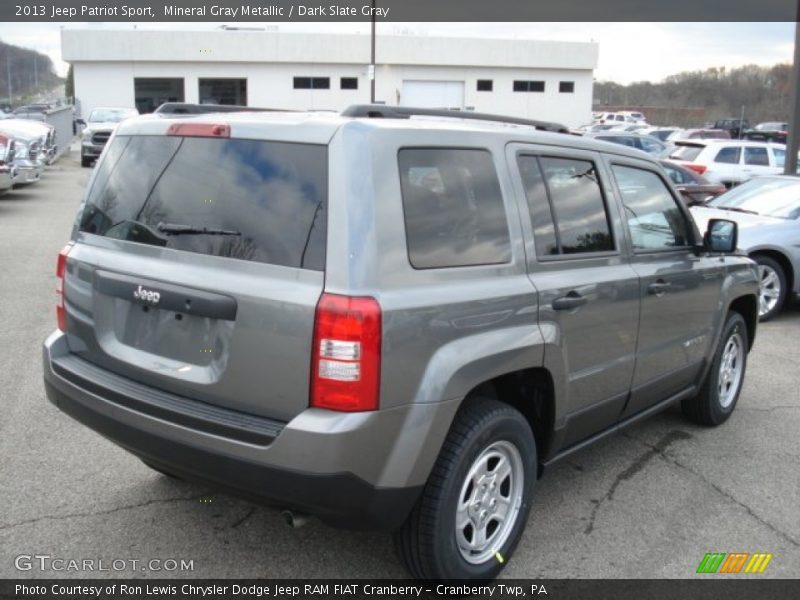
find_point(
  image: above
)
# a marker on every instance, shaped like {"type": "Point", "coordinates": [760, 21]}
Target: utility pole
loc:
{"type": "Point", "coordinates": [8, 78]}
{"type": "Point", "coordinates": [793, 143]}
{"type": "Point", "coordinates": [372, 59]}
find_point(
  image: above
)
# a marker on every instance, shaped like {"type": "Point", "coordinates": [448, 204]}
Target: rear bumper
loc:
{"type": "Point", "coordinates": [358, 470]}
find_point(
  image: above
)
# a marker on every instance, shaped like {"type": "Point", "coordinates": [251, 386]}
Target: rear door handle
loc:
{"type": "Point", "coordinates": [568, 302]}
{"type": "Point", "coordinates": [657, 288]}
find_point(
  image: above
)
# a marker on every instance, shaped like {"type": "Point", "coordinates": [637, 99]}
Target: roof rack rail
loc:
{"type": "Point", "coordinates": [187, 108]}
{"type": "Point", "coordinates": [378, 111]}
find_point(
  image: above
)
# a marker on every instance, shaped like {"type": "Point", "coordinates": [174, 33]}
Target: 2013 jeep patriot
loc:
{"type": "Point", "coordinates": [388, 322]}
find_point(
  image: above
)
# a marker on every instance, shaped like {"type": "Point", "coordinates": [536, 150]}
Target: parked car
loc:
{"type": "Point", "coordinates": [30, 154]}
{"type": "Point", "coordinates": [767, 210]}
{"type": "Point", "coordinates": [730, 162]}
{"type": "Point", "coordinates": [633, 140]}
{"type": "Point", "coordinates": [617, 118]}
{"type": "Point", "coordinates": [8, 172]}
{"type": "Point", "coordinates": [698, 134]}
{"type": "Point", "coordinates": [695, 189]}
{"type": "Point", "coordinates": [101, 124]}
{"type": "Point", "coordinates": [660, 133]}
{"type": "Point", "coordinates": [388, 321]}
{"type": "Point", "coordinates": [768, 132]}
{"type": "Point", "coordinates": [733, 126]}
{"type": "Point", "coordinates": [46, 132]}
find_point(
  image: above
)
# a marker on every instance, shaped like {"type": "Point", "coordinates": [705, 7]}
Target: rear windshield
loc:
{"type": "Point", "coordinates": [687, 153]}
{"type": "Point", "coordinates": [234, 198]}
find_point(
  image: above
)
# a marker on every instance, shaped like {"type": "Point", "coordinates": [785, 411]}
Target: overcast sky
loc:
{"type": "Point", "coordinates": [628, 51]}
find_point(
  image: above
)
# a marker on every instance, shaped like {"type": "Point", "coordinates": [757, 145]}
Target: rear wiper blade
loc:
{"type": "Point", "coordinates": [180, 229]}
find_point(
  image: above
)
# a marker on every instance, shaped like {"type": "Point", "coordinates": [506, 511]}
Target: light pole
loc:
{"type": "Point", "coordinates": [793, 143]}
{"type": "Point", "coordinates": [372, 58]}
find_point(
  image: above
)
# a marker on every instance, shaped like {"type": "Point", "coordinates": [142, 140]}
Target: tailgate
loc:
{"type": "Point", "coordinates": [198, 267]}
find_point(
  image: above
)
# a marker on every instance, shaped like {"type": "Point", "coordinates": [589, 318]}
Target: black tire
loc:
{"type": "Point", "coordinates": [86, 162]}
{"type": "Point", "coordinates": [771, 263]}
{"type": "Point", "coordinates": [708, 407]}
{"type": "Point", "coordinates": [426, 543]}
{"type": "Point", "coordinates": [160, 470]}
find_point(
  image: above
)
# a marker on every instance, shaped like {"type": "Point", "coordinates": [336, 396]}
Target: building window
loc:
{"type": "Point", "coordinates": [529, 86]}
{"type": "Point", "coordinates": [485, 85]}
{"type": "Point", "coordinates": [312, 83]}
{"type": "Point", "coordinates": [566, 87]}
{"type": "Point", "coordinates": [348, 83]}
{"type": "Point", "coordinates": [223, 91]}
{"type": "Point", "coordinates": [151, 92]}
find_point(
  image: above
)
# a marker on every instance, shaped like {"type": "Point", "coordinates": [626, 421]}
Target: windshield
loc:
{"type": "Point", "coordinates": [111, 115]}
{"type": "Point", "coordinates": [769, 197]}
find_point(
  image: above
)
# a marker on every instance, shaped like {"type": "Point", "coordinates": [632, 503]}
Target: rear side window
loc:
{"type": "Point", "coordinates": [234, 198]}
{"type": "Point", "coordinates": [544, 232]}
{"type": "Point", "coordinates": [453, 208]}
{"type": "Point", "coordinates": [756, 156]}
{"type": "Point", "coordinates": [728, 155]}
{"type": "Point", "coordinates": [579, 210]}
{"type": "Point", "coordinates": [687, 153]}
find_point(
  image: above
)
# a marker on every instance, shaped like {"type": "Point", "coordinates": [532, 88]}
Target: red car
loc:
{"type": "Point", "coordinates": [694, 188]}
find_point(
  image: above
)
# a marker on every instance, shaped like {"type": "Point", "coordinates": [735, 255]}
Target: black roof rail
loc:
{"type": "Point", "coordinates": [187, 108]}
{"type": "Point", "coordinates": [378, 111]}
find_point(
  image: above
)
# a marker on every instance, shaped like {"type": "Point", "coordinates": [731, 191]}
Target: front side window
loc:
{"type": "Point", "coordinates": [654, 219]}
{"type": "Point", "coordinates": [453, 208]}
{"type": "Point", "coordinates": [780, 157]}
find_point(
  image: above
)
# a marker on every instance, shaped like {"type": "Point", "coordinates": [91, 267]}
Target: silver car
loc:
{"type": "Point", "coordinates": [767, 210]}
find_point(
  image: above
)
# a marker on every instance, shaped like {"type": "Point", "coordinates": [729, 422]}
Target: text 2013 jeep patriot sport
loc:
{"type": "Point", "coordinates": [388, 322]}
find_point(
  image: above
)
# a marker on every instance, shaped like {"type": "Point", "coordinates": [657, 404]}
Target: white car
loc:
{"type": "Point", "coordinates": [102, 123]}
{"type": "Point", "coordinates": [730, 162]}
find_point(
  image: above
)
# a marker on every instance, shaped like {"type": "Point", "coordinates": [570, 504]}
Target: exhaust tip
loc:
{"type": "Point", "coordinates": [294, 519]}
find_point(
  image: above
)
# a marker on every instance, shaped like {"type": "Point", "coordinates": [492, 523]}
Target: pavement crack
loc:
{"type": "Point", "coordinates": [632, 470]}
{"type": "Point", "coordinates": [249, 514]}
{"type": "Point", "coordinates": [110, 511]}
{"type": "Point", "coordinates": [671, 459]}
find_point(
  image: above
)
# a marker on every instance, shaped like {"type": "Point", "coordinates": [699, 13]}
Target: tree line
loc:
{"type": "Point", "coordinates": [693, 98]}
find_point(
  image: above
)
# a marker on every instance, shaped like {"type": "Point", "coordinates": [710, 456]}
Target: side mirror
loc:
{"type": "Point", "coordinates": [81, 122]}
{"type": "Point", "coordinates": [721, 236]}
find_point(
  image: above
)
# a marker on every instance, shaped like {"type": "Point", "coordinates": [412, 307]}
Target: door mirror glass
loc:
{"type": "Point", "coordinates": [80, 122]}
{"type": "Point", "coordinates": [721, 236]}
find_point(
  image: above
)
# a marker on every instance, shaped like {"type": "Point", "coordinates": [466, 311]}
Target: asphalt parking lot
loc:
{"type": "Point", "coordinates": [647, 503]}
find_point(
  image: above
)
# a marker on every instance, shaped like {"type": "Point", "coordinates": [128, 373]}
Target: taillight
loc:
{"type": "Point", "coordinates": [696, 168]}
{"type": "Point", "coordinates": [61, 267]}
{"type": "Point", "coordinates": [346, 355]}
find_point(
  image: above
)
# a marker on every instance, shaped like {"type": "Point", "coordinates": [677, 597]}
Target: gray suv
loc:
{"type": "Point", "coordinates": [392, 322]}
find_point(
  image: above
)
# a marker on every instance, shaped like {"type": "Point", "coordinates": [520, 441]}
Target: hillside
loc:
{"type": "Point", "coordinates": [30, 74]}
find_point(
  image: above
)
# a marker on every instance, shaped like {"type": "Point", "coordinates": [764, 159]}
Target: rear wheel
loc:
{"type": "Point", "coordinates": [720, 391]}
{"type": "Point", "coordinates": [771, 287]}
{"type": "Point", "coordinates": [473, 509]}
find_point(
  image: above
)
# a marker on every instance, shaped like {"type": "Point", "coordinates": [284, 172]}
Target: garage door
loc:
{"type": "Point", "coordinates": [432, 94]}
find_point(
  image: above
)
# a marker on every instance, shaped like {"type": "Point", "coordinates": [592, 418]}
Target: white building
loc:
{"type": "Point", "coordinates": [524, 78]}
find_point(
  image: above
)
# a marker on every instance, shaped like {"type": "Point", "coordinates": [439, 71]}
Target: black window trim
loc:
{"type": "Point", "coordinates": [595, 160]}
{"type": "Point", "coordinates": [681, 206]}
{"type": "Point", "coordinates": [513, 258]}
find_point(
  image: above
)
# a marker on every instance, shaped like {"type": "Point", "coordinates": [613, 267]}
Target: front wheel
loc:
{"type": "Point", "coordinates": [720, 391]}
{"type": "Point", "coordinates": [771, 287]}
{"type": "Point", "coordinates": [473, 509]}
